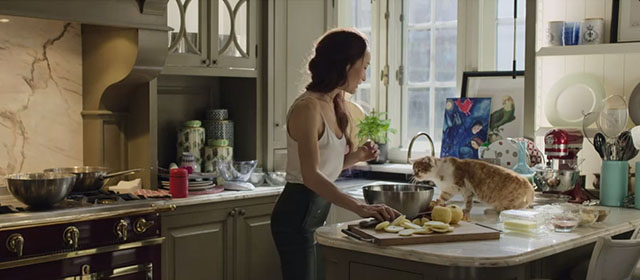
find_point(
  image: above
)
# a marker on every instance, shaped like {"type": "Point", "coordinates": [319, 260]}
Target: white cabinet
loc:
{"type": "Point", "coordinates": [293, 27]}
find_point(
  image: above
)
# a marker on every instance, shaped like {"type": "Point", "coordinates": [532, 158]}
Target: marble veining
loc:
{"type": "Point", "coordinates": [40, 95]}
{"type": "Point", "coordinates": [510, 249]}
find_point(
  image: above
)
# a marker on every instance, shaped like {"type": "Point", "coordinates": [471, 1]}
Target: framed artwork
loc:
{"type": "Point", "coordinates": [507, 100]}
{"type": "Point", "coordinates": [465, 126]}
{"type": "Point", "coordinates": [625, 21]}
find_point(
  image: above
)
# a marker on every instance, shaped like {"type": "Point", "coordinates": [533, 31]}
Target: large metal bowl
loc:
{"type": "Point", "coordinates": [90, 178]}
{"type": "Point", "coordinates": [409, 199]}
{"type": "Point", "coordinates": [550, 179]}
{"type": "Point", "coordinates": [40, 190]}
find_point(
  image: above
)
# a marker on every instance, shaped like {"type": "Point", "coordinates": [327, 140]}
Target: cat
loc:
{"type": "Point", "coordinates": [494, 185]}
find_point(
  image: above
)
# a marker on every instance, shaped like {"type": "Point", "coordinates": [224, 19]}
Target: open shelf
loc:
{"type": "Point", "coordinates": [616, 48]}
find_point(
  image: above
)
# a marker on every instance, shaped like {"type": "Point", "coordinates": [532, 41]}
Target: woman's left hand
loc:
{"type": "Point", "coordinates": [368, 151]}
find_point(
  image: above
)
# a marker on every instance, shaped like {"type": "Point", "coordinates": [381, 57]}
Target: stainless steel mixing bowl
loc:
{"type": "Point", "coordinates": [409, 199]}
{"type": "Point", "coordinates": [40, 190]}
{"type": "Point", "coordinates": [549, 179]}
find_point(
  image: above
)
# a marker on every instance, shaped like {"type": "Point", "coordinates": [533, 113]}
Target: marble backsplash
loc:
{"type": "Point", "coordinates": [40, 95]}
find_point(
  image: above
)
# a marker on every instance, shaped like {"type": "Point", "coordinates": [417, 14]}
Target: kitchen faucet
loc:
{"type": "Point", "coordinates": [433, 152]}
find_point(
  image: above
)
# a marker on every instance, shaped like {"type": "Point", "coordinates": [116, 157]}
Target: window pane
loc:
{"type": "Point", "coordinates": [418, 55]}
{"type": "Point", "coordinates": [446, 10]}
{"type": "Point", "coordinates": [418, 113]}
{"type": "Point", "coordinates": [505, 8]}
{"type": "Point", "coordinates": [418, 11]}
{"type": "Point", "coordinates": [363, 97]}
{"type": "Point", "coordinates": [504, 46]}
{"type": "Point", "coordinates": [440, 99]}
{"type": "Point", "coordinates": [446, 54]}
{"type": "Point", "coordinates": [362, 13]}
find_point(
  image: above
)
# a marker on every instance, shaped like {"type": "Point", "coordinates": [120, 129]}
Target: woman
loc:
{"type": "Point", "coordinates": [318, 150]}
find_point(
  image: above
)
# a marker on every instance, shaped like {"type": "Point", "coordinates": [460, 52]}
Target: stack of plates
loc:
{"type": "Point", "coordinates": [193, 185]}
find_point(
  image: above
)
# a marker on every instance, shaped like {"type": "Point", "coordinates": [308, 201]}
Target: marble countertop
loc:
{"type": "Point", "coordinates": [32, 218]}
{"type": "Point", "coordinates": [511, 249]}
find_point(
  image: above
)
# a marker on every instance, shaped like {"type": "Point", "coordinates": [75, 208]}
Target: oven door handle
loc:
{"type": "Point", "coordinates": [80, 253]}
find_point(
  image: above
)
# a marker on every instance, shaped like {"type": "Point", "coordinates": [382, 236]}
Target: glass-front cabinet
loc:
{"type": "Point", "coordinates": [212, 33]}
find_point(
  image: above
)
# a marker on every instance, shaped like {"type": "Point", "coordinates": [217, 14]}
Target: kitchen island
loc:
{"type": "Point", "coordinates": [513, 256]}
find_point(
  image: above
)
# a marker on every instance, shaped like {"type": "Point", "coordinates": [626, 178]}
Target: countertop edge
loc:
{"type": "Point", "coordinates": [348, 243]}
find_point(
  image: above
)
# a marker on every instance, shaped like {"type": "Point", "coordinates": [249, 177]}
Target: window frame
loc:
{"type": "Point", "coordinates": [397, 149]}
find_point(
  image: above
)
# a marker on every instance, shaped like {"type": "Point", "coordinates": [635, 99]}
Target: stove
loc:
{"type": "Point", "coordinates": [100, 235]}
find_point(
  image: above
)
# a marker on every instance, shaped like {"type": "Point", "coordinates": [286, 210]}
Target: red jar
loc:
{"type": "Point", "coordinates": [178, 183]}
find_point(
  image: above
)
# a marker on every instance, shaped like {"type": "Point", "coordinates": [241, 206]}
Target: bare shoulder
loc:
{"type": "Point", "coordinates": [304, 117]}
{"type": "Point", "coordinates": [305, 110]}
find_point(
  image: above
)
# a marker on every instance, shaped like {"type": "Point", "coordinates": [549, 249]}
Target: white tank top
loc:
{"type": "Point", "coordinates": [331, 151]}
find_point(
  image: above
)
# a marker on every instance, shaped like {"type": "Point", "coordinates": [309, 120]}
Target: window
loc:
{"type": "Point", "coordinates": [428, 50]}
{"type": "Point", "coordinates": [496, 27]}
{"type": "Point", "coordinates": [360, 14]}
{"type": "Point", "coordinates": [419, 43]}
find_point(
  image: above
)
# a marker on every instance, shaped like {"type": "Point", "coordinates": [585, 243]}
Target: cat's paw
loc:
{"type": "Point", "coordinates": [466, 217]}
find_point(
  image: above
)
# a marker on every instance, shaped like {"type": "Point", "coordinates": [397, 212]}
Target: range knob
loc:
{"type": "Point", "coordinates": [70, 237]}
{"type": "Point", "coordinates": [142, 225]}
{"type": "Point", "coordinates": [15, 244]}
{"type": "Point", "coordinates": [121, 230]}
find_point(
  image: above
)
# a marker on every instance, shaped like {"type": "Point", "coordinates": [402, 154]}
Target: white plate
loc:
{"type": "Point", "coordinates": [634, 105]}
{"type": "Point", "coordinates": [193, 184]}
{"type": "Point", "coordinates": [571, 97]}
{"type": "Point", "coordinates": [506, 151]}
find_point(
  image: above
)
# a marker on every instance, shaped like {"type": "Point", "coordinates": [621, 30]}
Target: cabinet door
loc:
{"type": "Point", "coordinates": [234, 44]}
{"type": "Point", "coordinates": [198, 245]}
{"type": "Point", "coordinates": [294, 26]}
{"type": "Point", "coordinates": [256, 254]}
{"type": "Point", "coordinates": [190, 35]}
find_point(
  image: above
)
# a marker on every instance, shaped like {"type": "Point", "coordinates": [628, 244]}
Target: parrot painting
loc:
{"type": "Point", "coordinates": [504, 115]}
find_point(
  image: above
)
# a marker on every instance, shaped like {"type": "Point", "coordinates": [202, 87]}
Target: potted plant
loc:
{"type": "Point", "coordinates": [374, 127]}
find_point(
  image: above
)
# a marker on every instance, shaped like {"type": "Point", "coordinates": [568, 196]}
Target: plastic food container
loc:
{"type": "Point", "coordinates": [525, 221]}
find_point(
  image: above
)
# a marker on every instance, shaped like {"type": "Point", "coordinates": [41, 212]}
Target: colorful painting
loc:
{"type": "Point", "coordinates": [506, 91]}
{"type": "Point", "coordinates": [466, 126]}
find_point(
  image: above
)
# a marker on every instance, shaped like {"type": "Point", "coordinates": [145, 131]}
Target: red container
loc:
{"type": "Point", "coordinates": [179, 183]}
{"type": "Point", "coordinates": [563, 143]}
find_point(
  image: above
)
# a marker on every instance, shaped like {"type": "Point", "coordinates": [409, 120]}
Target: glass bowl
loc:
{"type": "Point", "coordinates": [603, 213]}
{"type": "Point", "coordinates": [588, 215]}
{"type": "Point", "coordinates": [564, 222]}
{"type": "Point", "coordinates": [238, 171]}
{"type": "Point", "coordinates": [276, 178]}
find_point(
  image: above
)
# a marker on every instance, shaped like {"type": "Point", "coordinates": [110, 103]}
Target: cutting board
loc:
{"type": "Point", "coordinates": [463, 231]}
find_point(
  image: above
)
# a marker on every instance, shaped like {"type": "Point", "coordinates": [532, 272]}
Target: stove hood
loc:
{"type": "Point", "coordinates": [124, 47]}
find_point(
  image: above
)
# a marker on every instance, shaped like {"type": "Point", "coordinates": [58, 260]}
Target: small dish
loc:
{"type": "Point", "coordinates": [603, 213]}
{"type": "Point", "coordinates": [257, 178]}
{"type": "Point", "coordinates": [588, 215]}
{"type": "Point", "coordinates": [564, 222]}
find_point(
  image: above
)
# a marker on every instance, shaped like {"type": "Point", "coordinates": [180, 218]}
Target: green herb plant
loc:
{"type": "Point", "coordinates": [375, 127]}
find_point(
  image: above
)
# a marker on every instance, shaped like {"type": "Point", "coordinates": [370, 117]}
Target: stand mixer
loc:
{"type": "Point", "coordinates": [561, 173]}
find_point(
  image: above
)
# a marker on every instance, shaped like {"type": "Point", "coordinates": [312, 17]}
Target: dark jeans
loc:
{"type": "Point", "coordinates": [296, 216]}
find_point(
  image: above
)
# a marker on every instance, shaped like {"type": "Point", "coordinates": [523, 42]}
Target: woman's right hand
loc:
{"type": "Point", "coordinates": [379, 211]}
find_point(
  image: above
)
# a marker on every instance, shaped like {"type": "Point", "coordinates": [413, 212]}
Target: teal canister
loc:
{"type": "Point", "coordinates": [191, 139]}
{"type": "Point", "coordinates": [614, 182]}
{"type": "Point", "coordinates": [637, 187]}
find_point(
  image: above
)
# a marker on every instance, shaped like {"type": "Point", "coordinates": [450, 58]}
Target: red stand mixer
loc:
{"type": "Point", "coordinates": [561, 173]}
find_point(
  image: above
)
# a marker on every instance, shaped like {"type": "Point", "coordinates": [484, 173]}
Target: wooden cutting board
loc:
{"type": "Point", "coordinates": [463, 231]}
